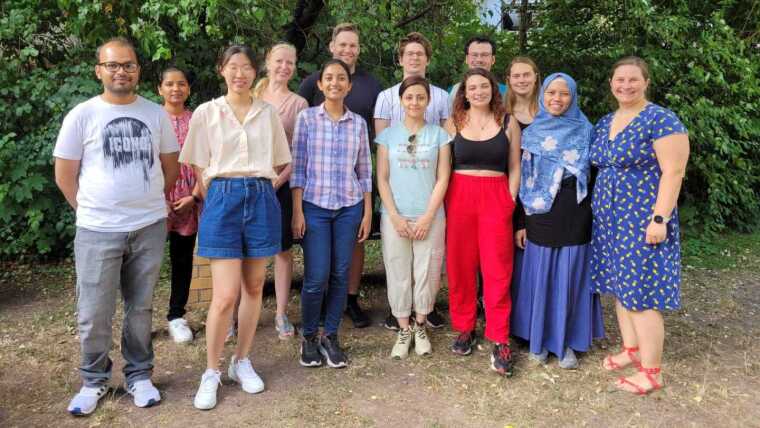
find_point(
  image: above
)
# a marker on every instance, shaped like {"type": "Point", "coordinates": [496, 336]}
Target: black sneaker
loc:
{"type": "Point", "coordinates": [435, 320]}
{"type": "Point", "coordinates": [463, 343]}
{"type": "Point", "coordinates": [357, 315]}
{"type": "Point", "coordinates": [310, 356]}
{"type": "Point", "coordinates": [330, 349]}
{"type": "Point", "coordinates": [391, 323]}
{"type": "Point", "coordinates": [501, 359]}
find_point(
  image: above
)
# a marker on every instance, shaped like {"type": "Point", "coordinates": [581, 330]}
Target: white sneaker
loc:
{"type": "Point", "coordinates": [404, 339]}
{"type": "Point", "coordinates": [205, 398]}
{"type": "Point", "coordinates": [144, 393]}
{"type": "Point", "coordinates": [242, 372]}
{"type": "Point", "coordinates": [86, 400]}
{"type": "Point", "coordinates": [179, 331]}
{"type": "Point", "coordinates": [422, 344]}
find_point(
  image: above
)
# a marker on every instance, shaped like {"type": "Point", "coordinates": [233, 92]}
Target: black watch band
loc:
{"type": "Point", "coordinates": [197, 199]}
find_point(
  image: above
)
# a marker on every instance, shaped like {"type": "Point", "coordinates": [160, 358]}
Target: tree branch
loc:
{"type": "Point", "coordinates": [420, 14]}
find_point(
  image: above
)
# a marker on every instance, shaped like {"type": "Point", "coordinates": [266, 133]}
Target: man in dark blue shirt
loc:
{"type": "Point", "coordinates": [361, 100]}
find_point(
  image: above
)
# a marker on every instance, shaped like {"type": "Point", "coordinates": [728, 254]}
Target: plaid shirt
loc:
{"type": "Point", "coordinates": [331, 160]}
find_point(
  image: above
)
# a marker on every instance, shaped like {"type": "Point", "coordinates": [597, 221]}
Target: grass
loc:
{"type": "Point", "coordinates": [711, 370]}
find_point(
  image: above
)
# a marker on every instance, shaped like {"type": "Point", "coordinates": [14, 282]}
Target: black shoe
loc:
{"type": "Point", "coordinates": [463, 343]}
{"type": "Point", "coordinates": [330, 349]}
{"type": "Point", "coordinates": [357, 315]}
{"type": "Point", "coordinates": [435, 320]}
{"type": "Point", "coordinates": [501, 359]}
{"type": "Point", "coordinates": [310, 356]}
{"type": "Point", "coordinates": [391, 323]}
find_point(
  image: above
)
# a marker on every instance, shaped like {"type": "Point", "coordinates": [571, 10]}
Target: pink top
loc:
{"type": "Point", "coordinates": [186, 224]}
{"type": "Point", "coordinates": [288, 111]}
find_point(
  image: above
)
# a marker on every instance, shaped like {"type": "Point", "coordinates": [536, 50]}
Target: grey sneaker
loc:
{"type": "Point", "coordinates": [404, 339]}
{"type": "Point", "coordinates": [541, 358]}
{"type": "Point", "coordinates": [86, 400]}
{"type": "Point", "coordinates": [569, 361]}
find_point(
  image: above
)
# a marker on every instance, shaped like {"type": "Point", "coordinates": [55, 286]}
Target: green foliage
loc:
{"type": "Point", "coordinates": [701, 69]}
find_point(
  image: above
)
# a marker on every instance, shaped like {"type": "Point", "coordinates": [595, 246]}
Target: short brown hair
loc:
{"type": "Point", "coordinates": [415, 37]}
{"type": "Point", "coordinates": [346, 26]}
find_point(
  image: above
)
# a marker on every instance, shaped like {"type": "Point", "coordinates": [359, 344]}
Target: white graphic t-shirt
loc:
{"type": "Point", "coordinates": [121, 183]}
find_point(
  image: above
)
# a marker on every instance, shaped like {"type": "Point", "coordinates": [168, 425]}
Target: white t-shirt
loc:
{"type": "Point", "coordinates": [121, 183]}
{"type": "Point", "coordinates": [388, 106]}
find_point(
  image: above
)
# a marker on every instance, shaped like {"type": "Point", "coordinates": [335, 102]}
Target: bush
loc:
{"type": "Point", "coordinates": [702, 70]}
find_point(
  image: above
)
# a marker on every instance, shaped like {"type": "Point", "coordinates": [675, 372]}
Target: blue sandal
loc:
{"type": "Point", "coordinates": [283, 327]}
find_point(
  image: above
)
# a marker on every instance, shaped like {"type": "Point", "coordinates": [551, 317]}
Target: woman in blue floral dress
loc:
{"type": "Point", "coordinates": [641, 151]}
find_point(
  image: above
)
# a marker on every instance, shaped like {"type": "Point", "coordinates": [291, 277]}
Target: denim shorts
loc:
{"type": "Point", "coordinates": [240, 219]}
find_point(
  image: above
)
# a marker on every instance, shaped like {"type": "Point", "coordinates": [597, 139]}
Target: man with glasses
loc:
{"type": "Point", "coordinates": [115, 159]}
{"type": "Point", "coordinates": [360, 100]}
{"type": "Point", "coordinates": [414, 53]}
{"type": "Point", "coordinates": [479, 52]}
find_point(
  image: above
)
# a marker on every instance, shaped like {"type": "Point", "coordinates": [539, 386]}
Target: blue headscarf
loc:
{"type": "Point", "coordinates": [552, 145]}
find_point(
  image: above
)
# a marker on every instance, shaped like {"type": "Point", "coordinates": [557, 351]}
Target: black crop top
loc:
{"type": "Point", "coordinates": [490, 155]}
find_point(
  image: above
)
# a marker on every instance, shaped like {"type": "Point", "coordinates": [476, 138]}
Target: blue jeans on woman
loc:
{"type": "Point", "coordinates": [328, 245]}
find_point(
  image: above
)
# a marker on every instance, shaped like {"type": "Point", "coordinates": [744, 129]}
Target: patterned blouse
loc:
{"type": "Point", "coordinates": [186, 224]}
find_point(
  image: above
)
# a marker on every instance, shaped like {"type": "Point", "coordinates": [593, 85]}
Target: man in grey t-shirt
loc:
{"type": "Point", "coordinates": [115, 158]}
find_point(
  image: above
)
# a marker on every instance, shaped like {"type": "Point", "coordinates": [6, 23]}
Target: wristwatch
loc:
{"type": "Point", "coordinates": [197, 199]}
{"type": "Point", "coordinates": [660, 219]}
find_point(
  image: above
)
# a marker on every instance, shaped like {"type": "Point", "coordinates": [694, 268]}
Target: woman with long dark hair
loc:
{"type": "Point", "coordinates": [238, 146]}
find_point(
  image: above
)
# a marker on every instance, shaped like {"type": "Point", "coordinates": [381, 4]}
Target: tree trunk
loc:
{"type": "Point", "coordinates": [524, 24]}
{"type": "Point", "coordinates": [304, 17]}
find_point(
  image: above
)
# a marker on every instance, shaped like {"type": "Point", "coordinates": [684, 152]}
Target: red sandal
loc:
{"type": "Point", "coordinates": [650, 374]}
{"type": "Point", "coordinates": [608, 362]}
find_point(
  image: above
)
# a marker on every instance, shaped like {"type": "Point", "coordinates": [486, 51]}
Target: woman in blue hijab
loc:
{"type": "Point", "coordinates": [554, 308]}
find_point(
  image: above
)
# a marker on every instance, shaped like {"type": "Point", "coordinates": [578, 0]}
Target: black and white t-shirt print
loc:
{"type": "Point", "coordinates": [128, 144]}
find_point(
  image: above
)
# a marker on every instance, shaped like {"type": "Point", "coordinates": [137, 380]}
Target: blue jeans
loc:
{"type": "Point", "coordinates": [109, 263]}
{"type": "Point", "coordinates": [328, 245]}
{"type": "Point", "coordinates": [240, 219]}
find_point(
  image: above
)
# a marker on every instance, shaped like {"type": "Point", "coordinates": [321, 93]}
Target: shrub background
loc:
{"type": "Point", "coordinates": [704, 59]}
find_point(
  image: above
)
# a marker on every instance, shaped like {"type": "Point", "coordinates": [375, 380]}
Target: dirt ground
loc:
{"type": "Point", "coordinates": [711, 368]}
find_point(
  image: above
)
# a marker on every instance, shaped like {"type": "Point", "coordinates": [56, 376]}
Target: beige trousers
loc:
{"type": "Point", "coordinates": [412, 267]}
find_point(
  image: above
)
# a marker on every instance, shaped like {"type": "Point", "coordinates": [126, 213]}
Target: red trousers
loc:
{"type": "Point", "coordinates": [479, 235]}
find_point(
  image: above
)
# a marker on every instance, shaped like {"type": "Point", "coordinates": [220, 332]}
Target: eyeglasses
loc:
{"type": "Point", "coordinates": [113, 67]}
{"type": "Point", "coordinates": [417, 54]}
{"type": "Point", "coordinates": [411, 148]}
{"type": "Point", "coordinates": [233, 69]}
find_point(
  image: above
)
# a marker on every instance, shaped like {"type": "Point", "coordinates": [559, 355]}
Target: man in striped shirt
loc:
{"type": "Point", "coordinates": [414, 54]}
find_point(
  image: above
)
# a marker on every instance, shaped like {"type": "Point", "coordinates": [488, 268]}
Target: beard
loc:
{"type": "Point", "coordinates": [127, 88]}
